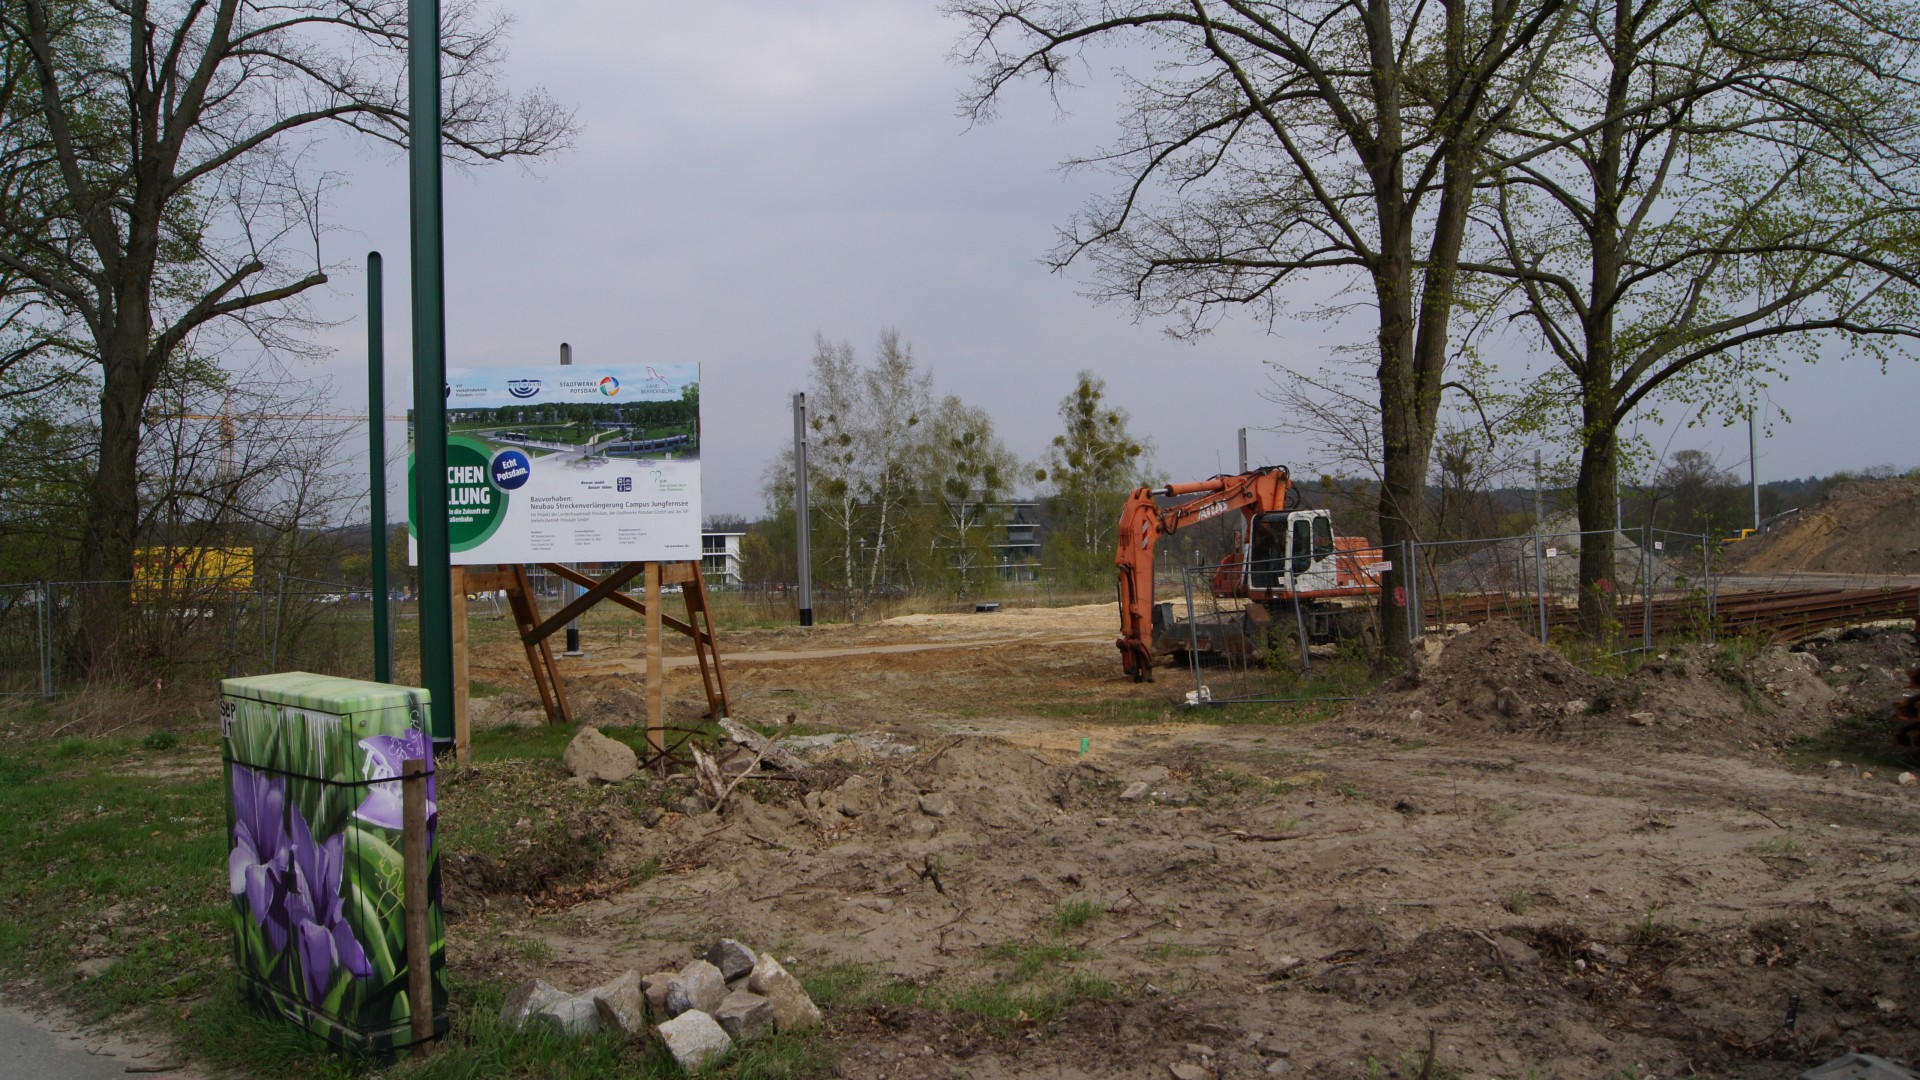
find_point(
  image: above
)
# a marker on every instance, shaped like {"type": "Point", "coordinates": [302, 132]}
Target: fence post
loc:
{"type": "Point", "coordinates": [1646, 587]}
{"type": "Point", "coordinates": [1419, 612]}
{"type": "Point", "coordinates": [46, 641]}
{"type": "Point", "coordinates": [1406, 559]}
{"type": "Point", "coordinates": [1299, 622]}
{"type": "Point", "coordinates": [1193, 634]}
{"type": "Point", "coordinates": [279, 615]}
{"type": "Point", "coordinates": [1706, 585]}
{"type": "Point", "coordinates": [233, 631]}
{"type": "Point", "coordinates": [1540, 580]}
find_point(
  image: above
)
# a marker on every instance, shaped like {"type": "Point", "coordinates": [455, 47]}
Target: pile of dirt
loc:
{"type": "Point", "coordinates": [1711, 698]}
{"type": "Point", "coordinates": [1495, 677]}
{"type": "Point", "coordinates": [1858, 527]}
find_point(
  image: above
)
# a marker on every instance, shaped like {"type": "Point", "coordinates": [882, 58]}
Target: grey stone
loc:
{"type": "Point", "coordinates": [95, 967]}
{"type": "Point", "coordinates": [621, 1005]}
{"type": "Point", "coordinates": [1152, 776]}
{"type": "Point", "coordinates": [596, 757]}
{"type": "Point", "coordinates": [872, 903]}
{"type": "Point", "coordinates": [1279, 1067]}
{"type": "Point", "coordinates": [732, 958]}
{"type": "Point", "coordinates": [572, 1014]}
{"type": "Point", "coordinates": [1516, 952]}
{"type": "Point", "coordinates": [1136, 791]}
{"type": "Point", "coordinates": [696, 986]}
{"type": "Point", "coordinates": [1858, 1067]}
{"type": "Point", "coordinates": [937, 804]}
{"type": "Point", "coordinates": [857, 796]}
{"type": "Point", "coordinates": [694, 1038]}
{"type": "Point", "coordinates": [745, 1015]}
{"type": "Point", "coordinates": [655, 987]}
{"type": "Point", "coordinates": [1186, 1070]}
{"type": "Point", "coordinates": [525, 1000]}
{"type": "Point", "coordinates": [793, 1010]}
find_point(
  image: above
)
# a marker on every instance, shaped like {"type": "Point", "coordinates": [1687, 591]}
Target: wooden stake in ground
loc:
{"type": "Point", "coordinates": [656, 669]}
{"type": "Point", "coordinates": [462, 729]}
{"type": "Point", "coordinates": [414, 858]}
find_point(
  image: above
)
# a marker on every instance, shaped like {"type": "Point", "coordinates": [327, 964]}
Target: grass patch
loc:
{"type": "Point", "coordinates": [1073, 914]}
{"type": "Point", "coordinates": [1030, 960]}
{"type": "Point", "coordinates": [160, 740]}
{"type": "Point", "coordinates": [1518, 900]}
{"type": "Point", "coordinates": [95, 864]}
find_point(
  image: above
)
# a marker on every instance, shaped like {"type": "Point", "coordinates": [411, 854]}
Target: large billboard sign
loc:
{"type": "Point", "coordinates": [571, 464]}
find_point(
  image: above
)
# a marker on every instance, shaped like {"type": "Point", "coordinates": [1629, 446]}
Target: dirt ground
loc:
{"type": "Point", "coordinates": [1528, 869]}
{"type": "Point", "coordinates": [1860, 527]}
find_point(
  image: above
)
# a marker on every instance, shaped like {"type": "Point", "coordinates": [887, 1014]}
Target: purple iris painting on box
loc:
{"type": "Point", "coordinates": [316, 869]}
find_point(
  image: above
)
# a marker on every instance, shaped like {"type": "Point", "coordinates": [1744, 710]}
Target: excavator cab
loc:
{"type": "Point", "coordinates": [1289, 548]}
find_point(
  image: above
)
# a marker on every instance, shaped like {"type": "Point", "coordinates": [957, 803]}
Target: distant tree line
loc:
{"type": "Point", "coordinates": [910, 492]}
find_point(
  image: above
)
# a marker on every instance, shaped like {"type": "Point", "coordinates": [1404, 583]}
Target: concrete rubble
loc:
{"type": "Point", "coordinates": [728, 995]}
{"type": "Point", "coordinates": [694, 1038]}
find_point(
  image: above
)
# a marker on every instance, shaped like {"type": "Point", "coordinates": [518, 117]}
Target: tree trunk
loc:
{"type": "Point", "coordinates": [1403, 453]}
{"type": "Point", "coordinates": [113, 516]}
{"type": "Point", "coordinates": [1599, 513]}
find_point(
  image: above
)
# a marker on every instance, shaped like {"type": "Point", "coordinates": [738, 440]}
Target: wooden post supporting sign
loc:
{"type": "Point", "coordinates": [535, 632]}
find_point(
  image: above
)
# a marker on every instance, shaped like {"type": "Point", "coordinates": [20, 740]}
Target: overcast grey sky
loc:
{"type": "Point", "coordinates": [751, 172]}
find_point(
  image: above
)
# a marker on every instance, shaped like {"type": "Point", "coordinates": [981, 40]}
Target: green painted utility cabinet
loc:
{"type": "Point", "coordinates": [314, 869]}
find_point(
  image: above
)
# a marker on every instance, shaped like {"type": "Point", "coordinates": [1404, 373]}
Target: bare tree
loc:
{"type": "Point", "coordinates": [1278, 141]}
{"type": "Point", "coordinates": [1710, 185]}
{"type": "Point", "coordinates": [967, 473]}
{"type": "Point", "coordinates": [157, 188]}
{"type": "Point", "coordinates": [1092, 465]}
{"type": "Point", "coordinates": [865, 422]}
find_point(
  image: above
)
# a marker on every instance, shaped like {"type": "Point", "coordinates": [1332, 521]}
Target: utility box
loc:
{"type": "Point", "coordinates": [314, 866]}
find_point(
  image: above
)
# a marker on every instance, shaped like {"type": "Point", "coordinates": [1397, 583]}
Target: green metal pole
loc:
{"type": "Point", "coordinates": [377, 464]}
{"type": "Point", "coordinates": [429, 364]}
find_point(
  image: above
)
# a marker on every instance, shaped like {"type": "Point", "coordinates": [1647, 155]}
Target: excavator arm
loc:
{"type": "Point", "coordinates": [1143, 522]}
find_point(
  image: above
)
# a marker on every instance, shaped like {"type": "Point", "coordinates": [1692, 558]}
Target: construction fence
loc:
{"type": "Point", "coordinates": [1663, 588]}
{"type": "Point", "coordinates": [203, 629]}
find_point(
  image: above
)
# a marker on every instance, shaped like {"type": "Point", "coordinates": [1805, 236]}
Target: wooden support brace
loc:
{"type": "Point", "coordinates": [608, 586]}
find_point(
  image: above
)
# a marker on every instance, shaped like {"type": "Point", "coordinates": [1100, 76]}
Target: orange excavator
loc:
{"type": "Point", "coordinates": [1289, 567]}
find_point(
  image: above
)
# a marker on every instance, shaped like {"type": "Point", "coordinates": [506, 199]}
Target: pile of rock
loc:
{"type": "Point", "coordinates": [728, 995]}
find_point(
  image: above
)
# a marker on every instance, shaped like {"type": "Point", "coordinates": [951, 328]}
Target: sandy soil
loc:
{"type": "Point", "coordinates": [1542, 872]}
{"type": "Point", "coordinates": [1860, 527]}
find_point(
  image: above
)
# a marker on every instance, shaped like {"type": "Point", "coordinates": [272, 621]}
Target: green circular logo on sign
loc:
{"type": "Point", "coordinates": [475, 506]}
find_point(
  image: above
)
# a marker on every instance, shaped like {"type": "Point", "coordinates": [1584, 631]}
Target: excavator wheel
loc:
{"type": "Point", "coordinates": [1283, 645]}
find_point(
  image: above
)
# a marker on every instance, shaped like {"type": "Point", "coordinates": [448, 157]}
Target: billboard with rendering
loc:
{"type": "Point", "coordinates": [571, 464]}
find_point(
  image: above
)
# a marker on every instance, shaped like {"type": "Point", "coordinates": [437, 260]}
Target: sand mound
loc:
{"type": "Point", "coordinates": [1495, 677]}
{"type": "Point", "coordinates": [1860, 527]}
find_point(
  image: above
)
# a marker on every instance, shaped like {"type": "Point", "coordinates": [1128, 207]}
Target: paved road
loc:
{"type": "Point", "coordinates": [35, 1046]}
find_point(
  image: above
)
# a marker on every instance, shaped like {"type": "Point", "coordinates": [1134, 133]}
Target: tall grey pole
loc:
{"type": "Point", "coordinates": [801, 499]}
{"type": "Point", "coordinates": [377, 465]}
{"type": "Point", "coordinates": [1243, 449]}
{"type": "Point", "coordinates": [1753, 460]}
{"type": "Point", "coordinates": [427, 243]}
{"type": "Point", "coordinates": [1539, 548]}
{"type": "Point", "coordinates": [569, 590]}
